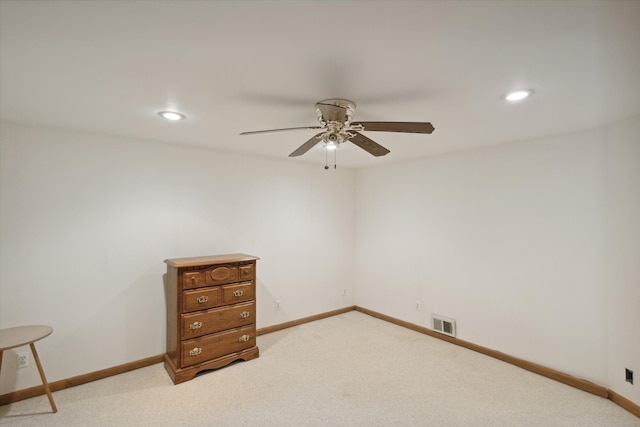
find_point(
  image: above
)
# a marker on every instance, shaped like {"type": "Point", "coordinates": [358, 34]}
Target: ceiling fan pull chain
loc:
{"type": "Point", "coordinates": [326, 159]}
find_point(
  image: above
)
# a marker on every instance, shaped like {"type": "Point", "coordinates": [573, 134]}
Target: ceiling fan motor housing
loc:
{"type": "Point", "coordinates": [328, 113]}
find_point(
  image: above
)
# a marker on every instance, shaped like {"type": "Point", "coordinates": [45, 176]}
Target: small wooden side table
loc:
{"type": "Point", "coordinates": [23, 335]}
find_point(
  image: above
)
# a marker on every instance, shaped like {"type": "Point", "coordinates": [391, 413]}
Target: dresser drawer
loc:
{"type": "Point", "coordinates": [238, 292]}
{"type": "Point", "coordinates": [221, 344]}
{"type": "Point", "coordinates": [218, 319]}
{"type": "Point", "coordinates": [246, 273]}
{"type": "Point", "coordinates": [201, 299]}
{"type": "Point", "coordinates": [221, 275]}
{"type": "Point", "coordinates": [192, 279]}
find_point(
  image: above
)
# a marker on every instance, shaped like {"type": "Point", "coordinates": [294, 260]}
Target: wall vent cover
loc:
{"type": "Point", "coordinates": [444, 325]}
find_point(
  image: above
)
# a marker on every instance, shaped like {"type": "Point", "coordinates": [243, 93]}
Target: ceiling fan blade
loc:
{"type": "Point", "coordinates": [409, 127]}
{"type": "Point", "coordinates": [307, 145]}
{"type": "Point", "coordinates": [369, 145]}
{"type": "Point", "coordinates": [332, 113]}
{"type": "Point", "coordinates": [279, 130]}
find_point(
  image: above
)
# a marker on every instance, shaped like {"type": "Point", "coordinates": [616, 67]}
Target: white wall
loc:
{"type": "Point", "coordinates": [623, 256]}
{"type": "Point", "coordinates": [507, 240]}
{"type": "Point", "coordinates": [86, 222]}
{"type": "Point", "coordinates": [532, 247]}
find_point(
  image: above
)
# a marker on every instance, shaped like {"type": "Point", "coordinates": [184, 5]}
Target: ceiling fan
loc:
{"type": "Point", "coordinates": [336, 121]}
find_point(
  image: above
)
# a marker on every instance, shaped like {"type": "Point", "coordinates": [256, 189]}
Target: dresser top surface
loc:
{"type": "Point", "coordinates": [211, 259]}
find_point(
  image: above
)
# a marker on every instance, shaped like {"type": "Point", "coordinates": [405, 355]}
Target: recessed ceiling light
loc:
{"type": "Point", "coordinates": [172, 115]}
{"type": "Point", "coordinates": [518, 95]}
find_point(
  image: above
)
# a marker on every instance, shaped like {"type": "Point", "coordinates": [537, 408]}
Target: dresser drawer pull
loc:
{"type": "Point", "coordinates": [195, 325]}
{"type": "Point", "coordinates": [244, 338]}
{"type": "Point", "coordinates": [238, 293]}
{"type": "Point", "coordinates": [245, 314]}
{"type": "Point", "coordinates": [202, 299]}
{"type": "Point", "coordinates": [196, 351]}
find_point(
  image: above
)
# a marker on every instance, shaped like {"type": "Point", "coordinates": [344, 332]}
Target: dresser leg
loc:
{"type": "Point", "coordinates": [44, 379]}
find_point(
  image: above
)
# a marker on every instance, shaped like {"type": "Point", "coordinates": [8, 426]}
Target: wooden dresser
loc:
{"type": "Point", "coordinates": [211, 313]}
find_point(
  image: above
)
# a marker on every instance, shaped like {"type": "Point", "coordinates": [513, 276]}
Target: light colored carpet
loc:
{"type": "Point", "coordinates": [347, 370]}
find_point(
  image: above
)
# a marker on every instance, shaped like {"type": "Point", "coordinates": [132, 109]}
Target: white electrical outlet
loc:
{"type": "Point", "coordinates": [344, 292]}
{"type": "Point", "coordinates": [418, 305]}
{"type": "Point", "coordinates": [277, 304]}
{"type": "Point", "coordinates": [23, 360]}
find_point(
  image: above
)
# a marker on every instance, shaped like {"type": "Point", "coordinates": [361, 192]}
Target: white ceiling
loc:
{"type": "Point", "coordinates": [232, 66]}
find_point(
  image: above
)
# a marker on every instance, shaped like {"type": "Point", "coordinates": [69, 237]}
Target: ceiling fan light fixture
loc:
{"type": "Point", "coordinates": [330, 146]}
{"type": "Point", "coordinates": [518, 95]}
{"type": "Point", "coordinates": [172, 115]}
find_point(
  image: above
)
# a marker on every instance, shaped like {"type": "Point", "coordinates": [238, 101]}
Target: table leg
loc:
{"type": "Point", "coordinates": [44, 379]}
{"type": "Point", "coordinates": [1, 354]}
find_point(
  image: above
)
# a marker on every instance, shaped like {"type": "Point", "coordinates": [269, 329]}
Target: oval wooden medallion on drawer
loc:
{"type": "Point", "coordinates": [221, 344]}
{"type": "Point", "coordinates": [192, 279]}
{"type": "Point", "coordinates": [222, 274]}
{"type": "Point", "coordinates": [237, 293]}
{"type": "Point", "coordinates": [246, 272]}
{"type": "Point", "coordinates": [217, 319]}
{"type": "Point", "coordinates": [201, 299]}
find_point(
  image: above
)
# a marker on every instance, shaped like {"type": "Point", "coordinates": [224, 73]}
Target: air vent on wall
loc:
{"type": "Point", "coordinates": [444, 325]}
